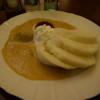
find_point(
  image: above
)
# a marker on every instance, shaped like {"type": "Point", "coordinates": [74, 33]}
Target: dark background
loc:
{"type": "Point", "coordinates": [86, 8]}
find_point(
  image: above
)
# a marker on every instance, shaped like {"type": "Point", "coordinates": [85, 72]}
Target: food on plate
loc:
{"type": "Point", "coordinates": [62, 48]}
{"type": "Point", "coordinates": [48, 47]}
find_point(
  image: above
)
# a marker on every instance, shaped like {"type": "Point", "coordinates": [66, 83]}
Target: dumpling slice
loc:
{"type": "Point", "coordinates": [77, 35]}
{"type": "Point", "coordinates": [75, 47]}
{"type": "Point", "coordinates": [69, 58]}
{"type": "Point", "coordinates": [48, 59]}
{"type": "Point", "coordinates": [63, 48]}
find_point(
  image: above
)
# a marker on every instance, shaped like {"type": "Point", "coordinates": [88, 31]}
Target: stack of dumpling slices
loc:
{"type": "Point", "coordinates": [68, 49]}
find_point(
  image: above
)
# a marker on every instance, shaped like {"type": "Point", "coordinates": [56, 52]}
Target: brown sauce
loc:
{"type": "Point", "coordinates": [21, 56]}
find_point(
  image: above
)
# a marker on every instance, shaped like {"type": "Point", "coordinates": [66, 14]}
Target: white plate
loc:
{"type": "Point", "coordinates": [78, 87]}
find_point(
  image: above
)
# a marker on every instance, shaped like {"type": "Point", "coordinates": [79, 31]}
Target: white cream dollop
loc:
{"type": "Point", "coordinates": [69, 49]}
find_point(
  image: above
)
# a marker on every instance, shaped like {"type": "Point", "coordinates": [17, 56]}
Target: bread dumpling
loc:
{"type": "Point", "coordinates": [63, 48]}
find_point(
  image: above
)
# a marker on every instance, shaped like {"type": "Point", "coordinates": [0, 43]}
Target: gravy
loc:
{"type": "Point", "coordinates": [21, 56]}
